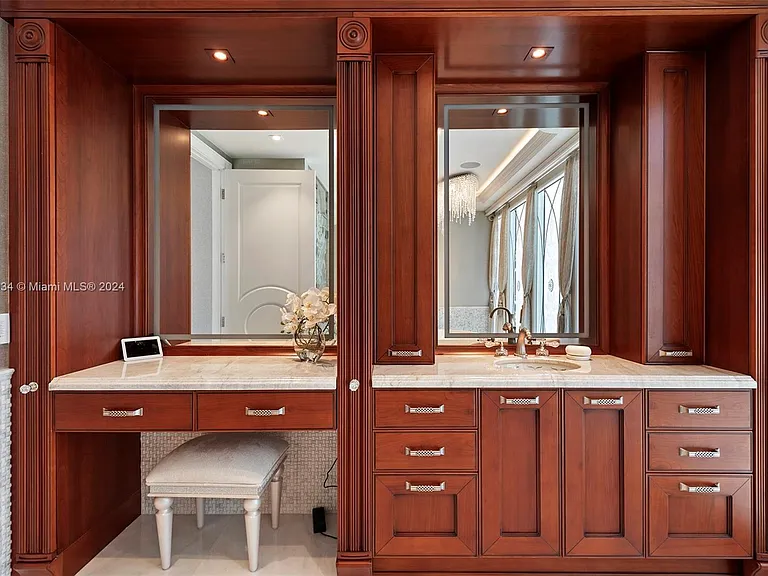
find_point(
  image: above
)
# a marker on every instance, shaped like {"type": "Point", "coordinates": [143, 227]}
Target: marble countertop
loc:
{"type": "Point", "coordinates": [481, 371]}
{"type": "Point", "coordinates": [202, 373]}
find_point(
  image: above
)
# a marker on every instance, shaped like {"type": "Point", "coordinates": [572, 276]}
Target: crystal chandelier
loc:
{"type": "Point", "coordinates": [462, 195]}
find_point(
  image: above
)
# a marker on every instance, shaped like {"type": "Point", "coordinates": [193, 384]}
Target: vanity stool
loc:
{"type": "Point", "coordinates": [230, 465]}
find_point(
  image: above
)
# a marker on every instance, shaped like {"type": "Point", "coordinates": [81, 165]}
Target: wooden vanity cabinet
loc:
{"type": "Point", "coordinates": [520, 473]}
{"type": "Point", "coordinates": [658, 172]}
{"type": "Point", "coordinates": [603, 473]}
{"type": "Point", "coordinates": [405, 152]}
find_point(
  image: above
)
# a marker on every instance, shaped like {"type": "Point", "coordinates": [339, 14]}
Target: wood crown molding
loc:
{"type": "Point", "coordinates": [33, 40]}
{"type": "Point", "coordinates": [353, 39]}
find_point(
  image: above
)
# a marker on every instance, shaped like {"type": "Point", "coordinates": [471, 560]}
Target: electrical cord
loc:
{"type": "Point", "coordinates": [330, 535]}
{"type": "Point", "coordinates": [327, 476]}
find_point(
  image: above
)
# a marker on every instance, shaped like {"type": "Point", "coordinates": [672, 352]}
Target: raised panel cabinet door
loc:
{"type": "Point", "coordinates": [425, 515]}
{"type": "Point", "coordinates": [603, 473]}
{"type": "Point", "coordinates": [520, 489]}
{"type": "Point", "coordinates": [700, 516]}
{"type": "Point", "coordinates": [405, 149]}
{"type": "Point", "coordinates": [675, 160]}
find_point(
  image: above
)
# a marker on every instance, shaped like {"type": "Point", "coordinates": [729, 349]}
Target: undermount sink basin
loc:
{"type": "Point", "coordinates": [535, 364]}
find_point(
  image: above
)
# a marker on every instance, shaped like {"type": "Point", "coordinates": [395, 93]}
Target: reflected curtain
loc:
{"type": "Point", "coordinates": [503, 272]}
{"type": "Point", "coordinates": [493, 267]}
{"type": "Point", "coordinates": [569, 214]}
{"type": "Point", "coordinates": [529, 258]}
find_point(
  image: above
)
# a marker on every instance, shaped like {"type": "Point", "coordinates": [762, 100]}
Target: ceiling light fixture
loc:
{"type": "Point", "coordinates": [502, 111]}
{"type": "Point", "coordinates": [220, 55]}
{"type": "Point", "coordinates": [539, 52]}
{"type": "Point", "coordinates": [462, 199]}
{"type": "Point", "coordinates": [263, 112]}
{"type": "Point", "coordinates": [275, 137]}
{"type": "Point", "coordinates": [470, 165]}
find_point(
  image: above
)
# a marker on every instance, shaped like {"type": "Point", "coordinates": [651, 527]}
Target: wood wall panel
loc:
{"type": "Point", "coordinates": [32, 235]}
{"type": "Point", "coordinates": [176, 232]}
{"type": "Point", "coordinates": [405, 209]}
{"type": "Point", "coordinates": [354, 110]}
{"type": "Point", "coordinates": [675, 203]}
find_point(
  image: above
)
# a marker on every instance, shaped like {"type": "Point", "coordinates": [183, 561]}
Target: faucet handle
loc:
{"type": "Point", "coordinates": [541, 350]}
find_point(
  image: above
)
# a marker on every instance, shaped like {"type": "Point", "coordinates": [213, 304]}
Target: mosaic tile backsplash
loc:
{"type": "Point", "coordinates": [309, 457]}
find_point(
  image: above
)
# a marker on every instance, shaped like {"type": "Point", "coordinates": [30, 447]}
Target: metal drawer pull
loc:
{"type": "Point", "coordinates": [703, 410]}
{"type": "Point", "coordinates": [700, 489]}
{"type": "Point", "coordinates": [252, 412]}
{"type": "Point", "coordinates": [122, 413]}
{"type": "Point", "coordinates": [676, 353]}
{"type": "Point", "coordinates": [520, 401]}
{"type": "Point", "coordinates": [425, 409]}
{"type": "Point", "coordinates": [700, 453]}
{"type": "Point", "coordinates": [425, 487]}
{"type": "Point", "coordinates": [425, 453]}
{"type": "Point", "coordinates": [604, 401]}
{"type": "Point", "coordinates": [404, 353]}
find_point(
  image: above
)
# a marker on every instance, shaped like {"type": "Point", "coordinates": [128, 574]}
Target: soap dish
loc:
{"type": "Point", "coordinates": [578, 353]}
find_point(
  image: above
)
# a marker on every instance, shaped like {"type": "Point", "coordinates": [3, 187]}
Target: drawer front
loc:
{"type": "Point", "coordinates": [701, 516]}
{"type": "Point", "coordinates": [425, 515]}
{"type": "Point", "coordinates": [703, 410]}
{"type": "Point", "coordinates": [243, 411]}
{"type": "Point", "coordinates": [425, 409]}
{"type": "Point", "coordinates": [117, 411]}
{"type": "Point", "coordinates": [700, 452]}
{"type": "Point", "coordinates": [426, 450]}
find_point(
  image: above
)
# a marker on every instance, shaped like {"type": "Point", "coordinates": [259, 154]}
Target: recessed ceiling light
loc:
{"type": "Point", "coordinates": [220, 54]}
{"type": "Point", "coordinates": [470, 165]}
{"type": "Point", "coordinates": [262, 112]}
{"type": "Point", "coordinates": [501, 111]}
{"type": "Point", "coordinates": [539, 52]}
{"type": "Point", "coordinates": [275, 137]}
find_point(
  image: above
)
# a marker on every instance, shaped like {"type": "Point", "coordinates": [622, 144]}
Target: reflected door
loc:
{"type": "Point", "coordinates": [268, 233]}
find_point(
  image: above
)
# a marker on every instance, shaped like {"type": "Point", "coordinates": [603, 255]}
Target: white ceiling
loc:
{"type": "Point", "coordinates": [312, 145]}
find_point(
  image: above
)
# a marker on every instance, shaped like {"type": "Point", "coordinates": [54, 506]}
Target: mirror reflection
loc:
{"type": "Point", "coordinates": [512, 228]}
{"type": "Point", "coordinates": [245, 217]}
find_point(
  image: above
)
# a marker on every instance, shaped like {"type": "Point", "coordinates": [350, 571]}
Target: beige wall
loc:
{"type": "Point", "coordinates": [3, 175]}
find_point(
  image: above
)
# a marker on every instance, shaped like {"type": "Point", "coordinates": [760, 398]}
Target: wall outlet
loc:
{"type": "Point", "coordinates": [5, 328]}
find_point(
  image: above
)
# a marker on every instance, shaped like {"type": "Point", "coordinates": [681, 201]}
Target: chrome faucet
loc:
{"type": "Point", "coordinates": [523, 338]}
{"type": "Point", "coordinates": [507, 327]}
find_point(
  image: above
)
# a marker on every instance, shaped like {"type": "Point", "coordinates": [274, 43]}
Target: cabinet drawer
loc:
{"type": "Point", "coordinates": [426, 451]}
{"type": "Point", "coordinates": [117, 411]}
{"type": "Point", "coordinates": [700, 452]}
{"type": "Point", "coordinates": [242, 411]}
{"type": "Point", "coordinates": [700, 516]}
{"type": "Point", "coordinates": [704, 410]}
{"type": "Point", "coordinates": [426, 515]}
{"type": "Point", "coordinates": [425, 409]}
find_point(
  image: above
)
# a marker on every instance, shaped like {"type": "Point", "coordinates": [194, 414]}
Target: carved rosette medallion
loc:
{"type": "Point", "coordinates": [30, 36]}
{"type": "Point", "coordinates": [353, 39]}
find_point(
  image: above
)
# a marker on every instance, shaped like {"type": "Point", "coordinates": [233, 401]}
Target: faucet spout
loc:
{"type": "Point", "coordinates": [523, 337]}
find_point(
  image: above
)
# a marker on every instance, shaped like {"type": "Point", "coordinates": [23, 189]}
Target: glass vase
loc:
{"type": "Point", "coordinates": [309, 343]}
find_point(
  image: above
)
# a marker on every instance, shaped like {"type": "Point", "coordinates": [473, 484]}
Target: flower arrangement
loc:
{"type": "Point", "coordinates": [307, 311]}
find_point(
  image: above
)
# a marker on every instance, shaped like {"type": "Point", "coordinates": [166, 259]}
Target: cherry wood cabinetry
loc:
{"type": "Point", "coordinates": [658, 143]}
{"type": "Point", "coordinates": [405, 209]}
{"type": "Point", "coordinates": [117, 411]}
{"type": "Point", "coordinates": [520, 473]}
{"type": "Point", "coordinates": [603, 473]}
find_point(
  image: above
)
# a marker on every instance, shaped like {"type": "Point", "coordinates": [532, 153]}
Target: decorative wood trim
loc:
{"type": "Point", "coordinates": [353, 41]}
{"type": "Point", "coordinates": [355, 272]}
{"type": "Point", "coordinates": [32, 259]}
{"type": "Point", "coordinates": [761, 35]}
{"type": "Point", "coordinates": [758, 273]}
{"type": "Point", "coordinates": [493, 88]}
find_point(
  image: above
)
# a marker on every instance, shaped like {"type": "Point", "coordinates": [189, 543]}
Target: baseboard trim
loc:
{"type": "Point", "coordinates": [72, 559]}
{"type": "Point", "coordinates": [354, 564]}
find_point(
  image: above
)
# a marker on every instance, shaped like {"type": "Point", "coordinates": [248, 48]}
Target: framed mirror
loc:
{"type": "Point", "coordinates": [516, 221]}
{"type": "Point", "coordinates": [244, 215]}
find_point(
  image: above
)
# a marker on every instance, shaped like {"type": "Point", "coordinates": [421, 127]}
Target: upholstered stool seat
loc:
{"type": "Point", "coordinates": [219, 466]}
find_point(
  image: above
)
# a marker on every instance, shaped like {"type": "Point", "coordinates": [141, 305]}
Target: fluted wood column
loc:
{"type": "Point", "coordinates": [33, 233]}
{"type": "Point", "coordinates": [354, 84]}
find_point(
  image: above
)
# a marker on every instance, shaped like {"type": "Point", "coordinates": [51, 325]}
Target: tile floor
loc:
{"type": "Point", "coordinates": [219, 549]}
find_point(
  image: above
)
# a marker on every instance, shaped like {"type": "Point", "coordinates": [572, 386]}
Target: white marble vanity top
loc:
{"type": "Point", "coordinates": [202, 373]}
{"type": "Point", "coordinates": [480, 371]}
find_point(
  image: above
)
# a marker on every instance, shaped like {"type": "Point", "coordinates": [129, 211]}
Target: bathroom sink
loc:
{"type": "Point", "coordinates": [535, 364]}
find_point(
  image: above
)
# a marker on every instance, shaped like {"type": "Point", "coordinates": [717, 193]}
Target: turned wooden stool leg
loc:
{"type": "Point", "coordinates": [276, 487]}
{"type": "Point", "coordinates": [164, 518]}
{"type": "Point", "coordinates": [252, 531]}
{"type": "Point", "coordinates": [200, 505]}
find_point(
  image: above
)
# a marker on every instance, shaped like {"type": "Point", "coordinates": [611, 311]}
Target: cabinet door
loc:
{"type": "Point", "coordinates": [675, 207]}
{"type": "Point", "coordinates": [603, 473]}
{"type": "Point", "coordinates": [405, 209]}
{"type": "Point", "coordinates": [700, 516]}
{"type": "Point", "coordinates": [426, 515]}
{"type": "Point", "coordinates": [520, 447]}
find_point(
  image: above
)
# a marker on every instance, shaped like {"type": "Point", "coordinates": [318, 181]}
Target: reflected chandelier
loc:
{"type": "Point", "coordinates": [462, 195]}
